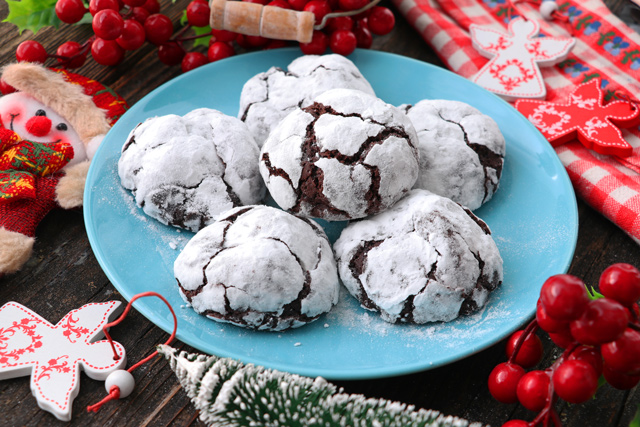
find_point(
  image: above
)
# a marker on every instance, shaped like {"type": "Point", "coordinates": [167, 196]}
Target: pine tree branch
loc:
{"type": "Point", "coordinates": [229, 393]}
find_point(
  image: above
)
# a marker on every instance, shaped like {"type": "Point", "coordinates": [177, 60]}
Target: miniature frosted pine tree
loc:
{"type": "Point", "coordinates": [229, 393]}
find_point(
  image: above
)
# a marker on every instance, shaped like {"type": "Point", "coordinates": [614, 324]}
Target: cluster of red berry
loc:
{"type": "Point", "coordinates": [121, 25]}
{"type": "Point", "coordinates": [600, 335]}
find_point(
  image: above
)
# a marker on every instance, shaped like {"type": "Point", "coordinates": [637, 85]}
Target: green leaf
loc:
{"type": "Point", "coordinates": [32, 14]}
{"type": "Point", "coordinates": [86, 19]}
{"type": "Point", "coordinates": [593, 294]}
{"type": "Point", "coordinates": [202, 41]}
{"type": "Point", "coordinates": [635, 422]}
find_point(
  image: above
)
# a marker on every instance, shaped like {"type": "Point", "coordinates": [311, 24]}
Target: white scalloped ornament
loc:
{"type": "Point", "coordinates": [515, 58]}
{"type": "Point", "coordinates": [54, 354]}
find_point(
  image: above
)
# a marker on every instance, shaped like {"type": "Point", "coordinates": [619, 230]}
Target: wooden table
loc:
{"type": "Point", "coordinates": [63, 274]}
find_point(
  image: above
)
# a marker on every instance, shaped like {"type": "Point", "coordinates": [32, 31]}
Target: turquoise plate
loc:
{"type": "Point", "coordinates": [533, 217]}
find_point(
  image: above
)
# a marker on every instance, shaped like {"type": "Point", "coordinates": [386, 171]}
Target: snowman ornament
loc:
{"type": "Point", "coordinates": [49, 130]}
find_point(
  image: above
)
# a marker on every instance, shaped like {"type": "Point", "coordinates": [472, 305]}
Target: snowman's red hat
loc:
{"type": "Point", "coordinates": [68, 99]}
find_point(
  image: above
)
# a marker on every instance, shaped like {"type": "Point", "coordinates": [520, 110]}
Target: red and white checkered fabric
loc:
{"type": "Point", "coordinates": [605, 48]}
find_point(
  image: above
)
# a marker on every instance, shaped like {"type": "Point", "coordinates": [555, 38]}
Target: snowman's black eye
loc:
{"type": "Point", "coordinates": [41, 113]}
{"type": "Point", "coordinates": [61, 126]}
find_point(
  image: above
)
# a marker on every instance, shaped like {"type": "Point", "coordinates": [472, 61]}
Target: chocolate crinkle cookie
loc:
{"type": "Point", "coordinates": [347, 155]}
{"type": "Point", "coordinates": [259, 267]}
{"type": "Point", "coordinates": [461, 151]}
{"type": "Point", "coordinates": [426, 259]}
{"type": "Point", "coordinates": [184, 171]}
{"type": "Point", "coordinates": [268, 97]}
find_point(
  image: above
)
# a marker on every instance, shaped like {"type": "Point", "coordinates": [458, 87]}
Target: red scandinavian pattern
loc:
{"type": "Point", "coordinates": [585, 116]}
{"type": "Point", "coordinates": [515, 57]}
{"type": "Point", "coordinates": [54, 354]}
{"type": "Point", "coordinates": [21, 161]}
{"type": "Point", "coordinates": [605, 48]}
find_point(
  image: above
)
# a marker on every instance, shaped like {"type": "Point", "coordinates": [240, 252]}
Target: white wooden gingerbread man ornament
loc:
{"type": "Point", "coordinates": [54, 354]}
{"type": "Point", "coordinates": [513, 70]}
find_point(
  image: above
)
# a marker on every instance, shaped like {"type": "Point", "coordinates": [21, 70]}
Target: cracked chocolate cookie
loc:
{"type": "Point", "coordinates": [268, 97]}
{"type": "Point", "coordinates": [259, 267]}
{"type": "Point", "coordinates": [184, 171]}
{"type": "Point", "coordinates": [461, 151]}
{"type": "Point", "coordinates": [426, 259]}
{"type": "Point", "coordinates": [347, 155]}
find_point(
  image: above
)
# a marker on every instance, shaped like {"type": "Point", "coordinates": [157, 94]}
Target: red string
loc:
{"type": "Point", "coordinates": [114, 392]}
{"type": "Point", "coordinates": [555, 15]}
{"type": "Point", "coordinates": [565, 20]}
{"type": "Point", "coordinates": [622, 96]}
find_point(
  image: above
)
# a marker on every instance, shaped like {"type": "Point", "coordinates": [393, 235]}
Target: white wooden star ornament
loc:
{"type": "Point", "coordinates": [54, 354]}
{"type": "Point", "coordinates": [515, 58]}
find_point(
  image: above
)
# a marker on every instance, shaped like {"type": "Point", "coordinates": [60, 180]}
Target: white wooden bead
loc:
{"type": "Point", "coordinates": [547, 8]}
{"type": "Point", "coordinates": [121, 378]}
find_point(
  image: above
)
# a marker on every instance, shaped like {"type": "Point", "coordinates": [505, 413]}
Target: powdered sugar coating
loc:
{"type": "Point", "coordinates": [259, 267]}
{"type": "Point", "coordinates": [426, 259]}
{"type": "Point", "coordinates": [268, 97]}
{"type": "Point", "coordinates": [346, 156]}
{"type": "Point", "coordinates": [184, 171]}
{"type": "Point", "coordinates": [461, 151]}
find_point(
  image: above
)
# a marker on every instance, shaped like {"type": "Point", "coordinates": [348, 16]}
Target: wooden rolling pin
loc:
{"type": "Point", "coordinates": [254, 19]}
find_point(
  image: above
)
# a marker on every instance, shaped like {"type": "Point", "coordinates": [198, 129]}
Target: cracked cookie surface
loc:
{"type": "Point", "coordinates": [259, 267]}
{"type": "Point", "coordinates": [461, 151]}
{"type": "Point", "coordinates": [348, 155]}
{"type": "Point", "coordinates": [185, 170]}
{"type": "Point", "coordinates": [426, 259]}
{"type": "Point", "coordinates": [268, 97]}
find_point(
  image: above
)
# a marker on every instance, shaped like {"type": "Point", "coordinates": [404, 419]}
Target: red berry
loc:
{"type": "Point", "coordinates": [198, 13]}
{"type": "Point", "coordinates": [219, 50]}
{"type": "Point", "coordinates": [256, 41]}
{"type": "Point", "coordinates": [193, 60]}
{"type": "Point", "coordinates": [282, 4]}
{"type": "Point", "coordinates": [241, 39]}
{"type": "Point", "coordinates": [515, 423]}
{"type": "Point", "coordinates": [31, 51]}
{"type": "Point", "coordinates": [602, 321]}
{"type": "Point", "coordinates": [262, 2]}
{"type": "Point", "coordinates": [533, 390]}
{"type": "Point", "coordinates": [319, 8]}
{"type": "Point", "coordinates": [588, 354]}
{"type": "Point", "coordinates": [340, 23]}
{"type": "Point", "coordinates": [620, 380]}
{"type": "Point", "coordinates": [6, 89]}
{"type": "Point", "coordinates": [107, 24]}
{"type": "Point", "coordinates": [158, 28]}
{"type": "Point", "coordinates": [530, 352]}
{"type": "Point", "coordinates": [132, 36]}
{"type": "Point", "coordinates": [503, 382]}
{"type": "Point", "coordinates": [70, 11]}
{"type": "Point", "coordinates": [275, 44]}
{"type": "Point", "coordinates": [96, 6]}
{"type": "Point", "coordinates": [564, 297]}
{"type": "Point", "coordinates": [363, 35]}
{"type": "Point", "coordinates": [140, 14]}
{"type": "Point", "coordinates": [297, 4]}
{"type": "Point", "coordinates": [381, 20]}
{"type": "Point", "coordinates": [575, 381]}
{"type": "Point", "coordinates": [621, 282]}
{"type": "Point", "coordinates": [134, 3]}
{"type": "Point", "coordinates": [352, 4]}
{"type": "Point", "coordinates": [563, 339]}
{"type": "Point", "coordinates": [547, 323]}
{"type": "Point", "coordinates": [222, 36]}
{"type": "Point", "coordinates": [106, 52]}
{"type": "Point", "coordinates": [72, 52]}
{"type": "Point", "coordinates": [623, 354]}
{"type": "Point", "coordinates": [317, 45]}
{"type": "Point", "coordinates": [170, 53]}
{"type": "Point", "coordinates": [343, 42]}
{"type": "Point", "coordinates": [152, 6]}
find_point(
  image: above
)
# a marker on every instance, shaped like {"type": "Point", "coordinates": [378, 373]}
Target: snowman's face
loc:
{"type": "Point", "coordinates": [36, 122]}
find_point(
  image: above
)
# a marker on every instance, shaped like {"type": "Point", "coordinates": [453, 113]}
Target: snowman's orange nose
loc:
{"type": "Point", "coordinates": [38, 125]}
